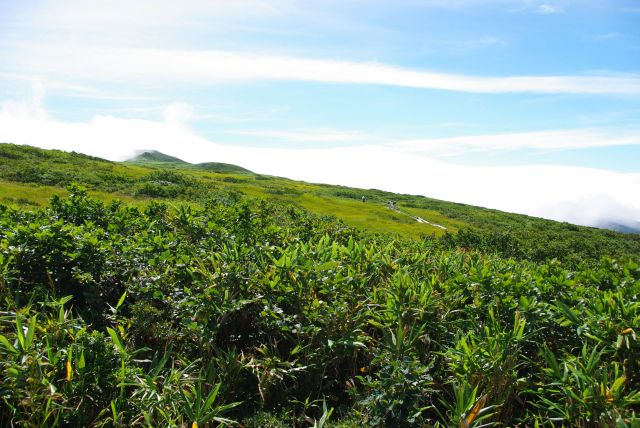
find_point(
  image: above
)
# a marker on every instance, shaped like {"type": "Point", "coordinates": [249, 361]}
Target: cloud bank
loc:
{"type": "Point", "coordinates": [579, 195]}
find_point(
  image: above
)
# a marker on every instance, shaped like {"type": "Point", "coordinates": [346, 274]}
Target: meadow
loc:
{"type": "Point", "coordinates": [172, 296]}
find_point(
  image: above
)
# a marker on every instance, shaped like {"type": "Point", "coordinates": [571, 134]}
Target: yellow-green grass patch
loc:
{"type": "Point", "coordinates": [24, 195]}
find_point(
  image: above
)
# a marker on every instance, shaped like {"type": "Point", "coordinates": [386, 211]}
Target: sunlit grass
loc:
{"type": "Point", "coordinates": [373, 215]}
{"type": "Point", "coordinates": [25, 195]}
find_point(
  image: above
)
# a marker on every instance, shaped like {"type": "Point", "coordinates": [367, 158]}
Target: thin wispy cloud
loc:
{"type": "Point", "coordinates": [470, 44]}
{"type": "Point", "coordinates": [64, 15]}
{"type": "Point", "coordinates": [148, 67]}
{"type": "Point", "coordinates": [546, 141]}
{"type": "Point", "coordinates": [306, 135]}
{"type": "Point", "coordinates": [541, 141]}
{"type": "Point", "coordinates": [549, 9]}
{"type": "Point", "coordinates": [609, 36]}
{"type": "Point", "coordinates": [538, 6]}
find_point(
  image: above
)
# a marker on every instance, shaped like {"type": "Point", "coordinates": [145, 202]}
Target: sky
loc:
{"type": "Point", "coordinates": [529, 106]}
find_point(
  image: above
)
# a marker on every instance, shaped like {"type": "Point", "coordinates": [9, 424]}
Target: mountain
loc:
{"type": "Point", "coordinates": [154, 156]}
{"type": "Point", "coordinates": [221, 167]}
{"type": "Point", "coordinates": [620, 227]}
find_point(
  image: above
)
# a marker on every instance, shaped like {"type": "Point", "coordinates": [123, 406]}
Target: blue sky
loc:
{"type": "Point", "coordinates": [467, 83]}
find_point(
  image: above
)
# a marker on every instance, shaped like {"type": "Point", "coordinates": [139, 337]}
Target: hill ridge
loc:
{"type": "Point", "coordinates": [143, 156]}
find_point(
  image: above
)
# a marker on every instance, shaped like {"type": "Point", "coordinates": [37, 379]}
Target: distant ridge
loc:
{"type": "Point", "coordinates": [222, 167]}
{"type": "Point", "coordinates": [621, 227]}
{"type": "Point", "coordinates": [154, 156]}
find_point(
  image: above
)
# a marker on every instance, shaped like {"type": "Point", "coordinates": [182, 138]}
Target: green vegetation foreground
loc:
{"type": "Point", "coordinates": [266, 315]}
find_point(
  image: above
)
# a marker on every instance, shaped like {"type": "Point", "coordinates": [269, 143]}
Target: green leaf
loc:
{"type": "Point", "coordinates": [116, 340]}
{"type": "Point", "coordinates": [30, 332]}
{"type": "Point", "coordinates": [114, 412]}
{"type": "Point", "coordinates": [64, 300]}
{"type": "Point", "coordinates": [591, 336]}
{"type": "Point", "coordinates": [376, 324]}
{"type": "Point", "coordinates": [211, 398]}
{"type": "Point", "coordinates": [569, 314]}
{"type": "Point", "coordinates": [298, 348]}
{"type": "Point", "coordinates": [20, 332]}
{"type": "Point", "coordinates": [121, 301]}
{"type": "Point", "coordinates": [81, 362]}
{"type": "Point", "coordinates": [618, 383]}
{"type": "Point", "coordinates": [8, 346]}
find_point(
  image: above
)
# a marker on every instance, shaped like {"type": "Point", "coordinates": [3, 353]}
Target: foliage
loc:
{"type": "Point", "coordinates": [239, 311]}
{"type": "Point", "coordinates": [223, 313]}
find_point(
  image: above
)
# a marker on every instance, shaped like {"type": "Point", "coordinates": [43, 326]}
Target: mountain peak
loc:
{"type": "Point", "coordinates": [146, 156]}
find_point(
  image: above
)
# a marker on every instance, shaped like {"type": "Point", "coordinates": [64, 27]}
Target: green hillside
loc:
{"type": "Point", "coordinates": [154, 156]}
{"type": "Point", "coordinates": [221, 167]}
{"type": "Point", "coordinates": [172, 296]}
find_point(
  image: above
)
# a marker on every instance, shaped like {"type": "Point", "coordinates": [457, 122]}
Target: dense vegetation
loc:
{"type": "Point", "coordinates": [217, 296]}
{"type": "Point", "coordinates": [244, 311]}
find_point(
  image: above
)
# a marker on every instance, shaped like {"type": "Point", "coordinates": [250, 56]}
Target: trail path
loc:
{"type": "Point", "coordinates": [421, 220]}
{"type": "Point", "coordinates": [393, 207]}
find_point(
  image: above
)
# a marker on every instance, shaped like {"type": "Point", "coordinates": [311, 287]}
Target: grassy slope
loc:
{"type": "Point", "coordinates": [24, 195]}
{"type": "Point", "coordinates": [30, 176]}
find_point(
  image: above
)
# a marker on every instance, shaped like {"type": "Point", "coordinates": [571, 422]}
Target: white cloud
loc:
{"type": "Point", "coordinates": [538, 6]}
{"type": "Point", "coordinates": [80, 48]}
{"type": "Point", "coordinates": [613, 35]}
{"type": "Point", "coordinates": [542, 141]}
{"type": "Point", "coordinates": [564, 193]}
{"type": "Point", "coordinates": [306, 135]}
{"type": "Point", "coordinates": [548, 9]}
{"type": "Point", "coordinates": [601, 209]}
{"type": "Point", "coordinates": [136, 17]}
{"type": "Point", "coordinates": [554, 140]}
{"type": "Point", "coordinates": [178, 114]}
{"type": "Point", "coordinates": [31, 105]}
{"type": "Point", "coordinates": [159, 67]}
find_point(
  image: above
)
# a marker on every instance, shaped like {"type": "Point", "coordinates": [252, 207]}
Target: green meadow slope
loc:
{"type": "Point", "coordinates": [30, 176]}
